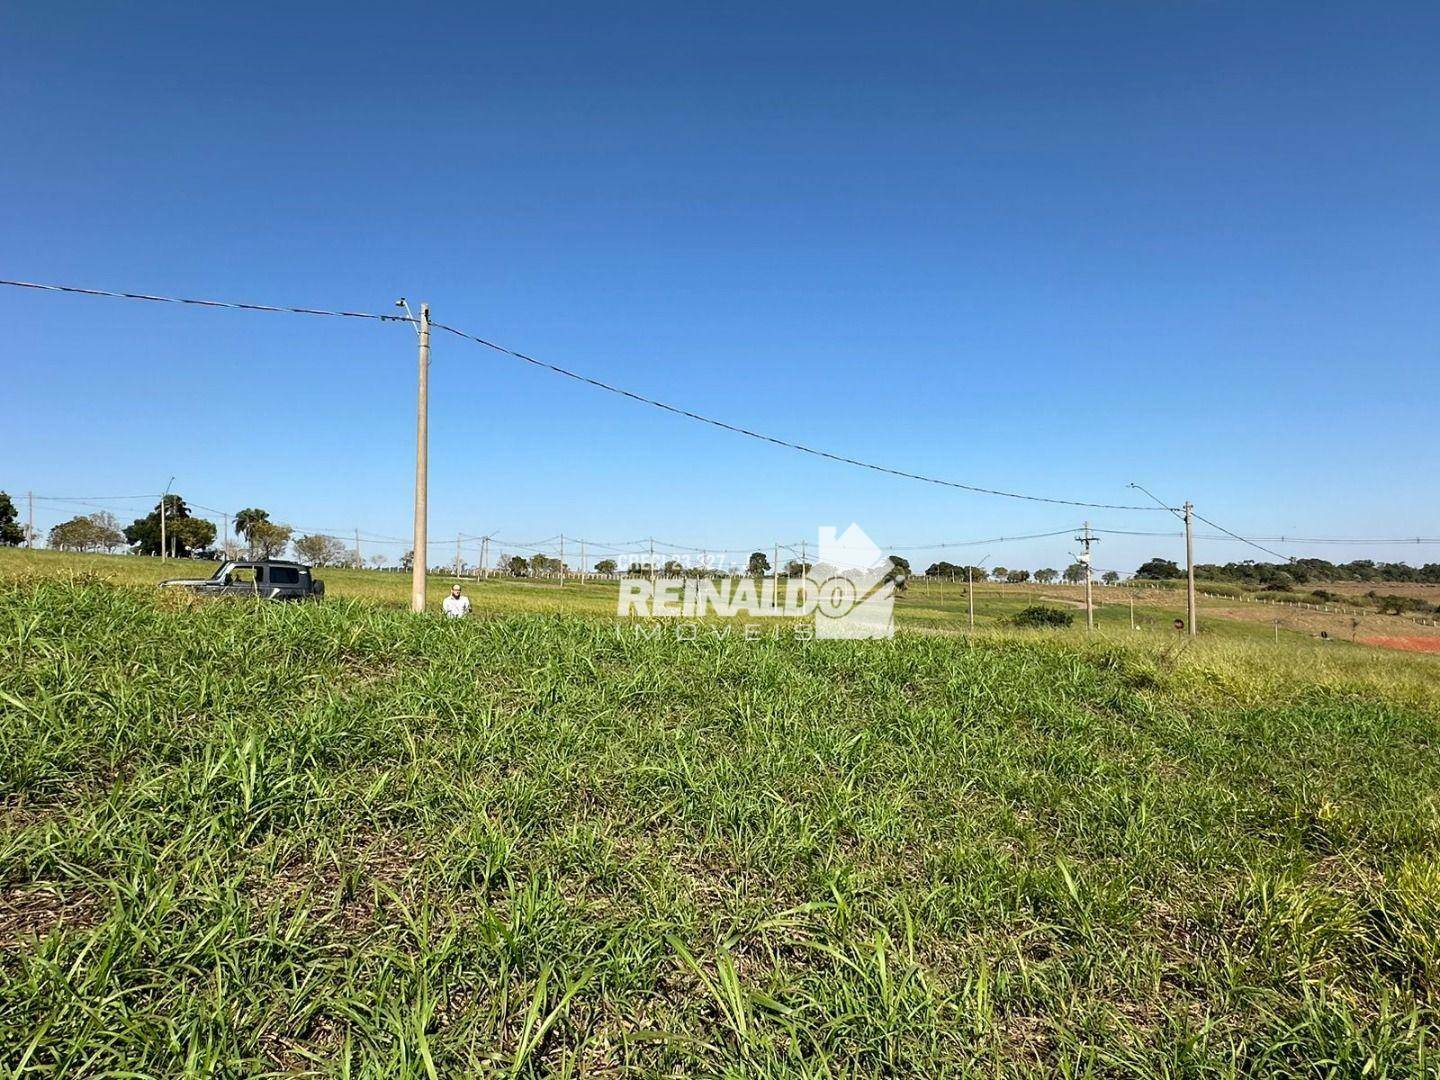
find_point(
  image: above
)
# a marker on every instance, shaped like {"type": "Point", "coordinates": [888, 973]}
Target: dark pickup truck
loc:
{"type": "Point", "coordinates": [267, 579]}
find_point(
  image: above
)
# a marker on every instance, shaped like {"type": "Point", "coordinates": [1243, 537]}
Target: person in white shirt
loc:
{"type": "Point", "coordinates": [455, 605]}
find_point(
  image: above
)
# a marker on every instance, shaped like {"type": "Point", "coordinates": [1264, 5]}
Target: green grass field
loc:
{"type": "Point", "coordinates": [939, 607]}
{"type": "Point", "coordinates": [242, 838]}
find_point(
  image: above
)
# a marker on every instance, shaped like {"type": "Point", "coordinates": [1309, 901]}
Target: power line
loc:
{"type": "Point", "coordinates": [980, 543]}
{"type": "Point", "coordinates": [773, 440]}
{"type": "Point", "coordinates": [1283, 539]}
{"type": "Point", "coordinates": [1243, 540]}
{"type": "Point", "coordinates": [676, 410]}
{"type": "Point", "coordinates": [232, 304]}
{"type": "Point", "coordinates": [567, 373]}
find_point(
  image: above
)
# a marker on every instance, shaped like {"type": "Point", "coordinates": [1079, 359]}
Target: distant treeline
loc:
{"type": "Point", "coordinates": [1299, 572]}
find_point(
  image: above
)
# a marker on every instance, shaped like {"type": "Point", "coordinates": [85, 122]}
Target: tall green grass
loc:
{"type": "Point", "coordinates": [337, 838]}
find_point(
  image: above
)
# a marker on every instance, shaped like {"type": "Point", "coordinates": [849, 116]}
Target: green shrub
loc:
{"type": "Point", "coordinates": [1042, 616]}
{"type": "Point", "coordinates": [1399, 605]}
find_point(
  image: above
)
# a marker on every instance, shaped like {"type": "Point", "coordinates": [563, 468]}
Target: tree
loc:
{"type": "Point", "coordinates": [606, 566]}
{"type": "Point", "coordinates": [11, 532]}
{"type": "Point", "coordinates": [377, 561]}
{"type": "Point", "coordinates": [77, 534]}
{"type": "Point", "coordinates": [267, 539]}
{"type": "Point", "coordinates": [759, 564]}
{"type": "Point", "coordinates": [193, 536]}
{"type": "Point", "coordinates": [1000, 573]}
{"type": "Point", "coordinates": [517, 566]}
{"type": "Point", "coordinates": [1075, 573]}
{"type": "Point", "coordinates": [87, 533]}
{"type": "Point", "coordinates": [107, 530]}
{"type": "Point", "coordinates": [1110, 577]}
{"type": "Point", "coordinates": [317, 549]}
{"type": "Point", "coordinates": [674, 568]}
{"type": "Point", "coordinates": [1159, 570]}
{"type": "Point", "coordinates": [1046, 576]}
{"type": "Point", "coordinates": [1017, 577]}
{"type": "Point", "coordinates": [544, 564]}
{"type": "Point", "coordinates": [251, 515]}
{"type": "Point", "coordinates": [407, 561]}
{"type": "Point", "coordinates": [899, 572]}
{"type": "Point", "coordinates": [183, 533]}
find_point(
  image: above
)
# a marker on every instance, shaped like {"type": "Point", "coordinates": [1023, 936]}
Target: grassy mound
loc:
{"type": "Point", "coordinates": [243, 837]}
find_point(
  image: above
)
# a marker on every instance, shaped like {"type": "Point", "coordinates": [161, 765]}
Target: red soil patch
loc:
{"type": "Point", "coordinates": [1409, 644]}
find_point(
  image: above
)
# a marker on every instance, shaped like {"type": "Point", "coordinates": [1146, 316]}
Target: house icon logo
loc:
{"type": "Point", "coordinates": [854, 586]}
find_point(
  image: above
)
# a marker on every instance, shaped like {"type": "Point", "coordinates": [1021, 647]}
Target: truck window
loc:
{"type": "Point", "coordinates": [244, 575]}
{"type": "Point", "coordinates": [284, 575]}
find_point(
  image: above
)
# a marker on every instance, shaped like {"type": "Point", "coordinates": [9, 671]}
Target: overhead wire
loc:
{"type": "Point", "coordinates": [569, 374]}
{"type": "Point", "coordinates": [642, 399]}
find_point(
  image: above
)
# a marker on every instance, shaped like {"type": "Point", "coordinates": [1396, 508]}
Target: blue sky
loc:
{"type": "Point", "coordinates": [1052, 248]}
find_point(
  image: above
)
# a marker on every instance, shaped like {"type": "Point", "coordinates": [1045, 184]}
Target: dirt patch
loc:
{"type": "Point", "coordinates": [1421, 590]}
{"type": "Point", "coordinates": [1428, 643]}
{"type": "Point", "coordinates": [1339, 626]}
{"type": "Point", "coordinates": [30, 912]}
{"type": "Point", "coordinates": [355, 886]}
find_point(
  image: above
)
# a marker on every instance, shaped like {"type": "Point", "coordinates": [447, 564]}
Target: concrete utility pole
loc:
{"type": "Point", "coordinates": [485, 556]}
{"type": "Point", "coordinates": [562, 560]}
{"type": "Point", "coordinates": [1190, 568]}
{"type": "Point", "coordinates": [226, 543]}
{"type": "Point", "coordinates": [775, 576]}
{"type": "Point", "coordinates": [970, 592]}
{"type": "Point", "coordinates": [1087, 540]}
{"type": "Point", "coordinates": [165, 495]}
{"type": "Point", "coordinates": [582, 562]}
{"type": "Point", "coordinates": [359, 559]}
{"type": "Point", "coordinates": [30, 525]}
{"type": "Point", "coordinates": [422, 469]}
{"type": "Point", "coordinates": [457, 554]}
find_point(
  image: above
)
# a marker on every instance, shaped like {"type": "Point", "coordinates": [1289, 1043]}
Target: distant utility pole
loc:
{"type": "Point", "coordinates": [1190, 568]}
{"type": "Point", "coordinates": [422, 468]}
{"type": "Point", "coordinates": [582, 562]}
{"type": "Point", "coordinates": [165, 495]}
{"type": "Point", "coordinates": [226, 542]}
{"type": "Point", "coordinates": [359, 559]}
{"type": "Point", "coordinates": [652, 560]}
{"type": "Point", "coordinates": [457, 554]}
{"type": "Point", "coordinates": [30, 525]}
{"type": "Point", "coordinates": [562, 560]}
{"type": "Point", "coordinates": [1087, 540]}
{"type": "Point", "coordinates": [485, 556]}
{"type": "Point", "coordinates": [775, 576]}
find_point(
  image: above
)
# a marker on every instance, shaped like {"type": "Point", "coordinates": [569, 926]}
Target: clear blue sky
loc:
{"type": "Point", "coordinates": [1047, 247]}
